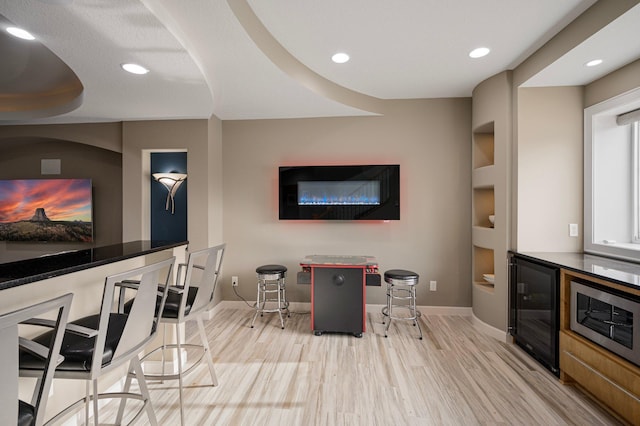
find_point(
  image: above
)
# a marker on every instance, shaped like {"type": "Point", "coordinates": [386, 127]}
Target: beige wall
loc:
{"type": "Point", "coordinates": [430, 139]}
{"type": "Point", "coordinates": [202, 140]}
{"type": "Point", "coordinates": [550, 168]}
{"type": "Point", "coordinates": [215, 196]}
{"type": "Point", "coordinates": [215, 199]}
{"type": "Point", "coordinates": [492, 104]}
{"type": "Point", "coordinates": [102, 135]}
{"type": "Point", "coordinates": [83, 155]}
{"type": "Point", "coordinates": [142, 137]}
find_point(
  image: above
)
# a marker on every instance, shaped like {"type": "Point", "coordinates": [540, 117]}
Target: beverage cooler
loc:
{"type": "Point", "coordinates": [534, 312]}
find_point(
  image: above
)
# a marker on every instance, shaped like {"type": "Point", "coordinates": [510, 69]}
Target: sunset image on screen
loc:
{"type": "Point", "coordinates": [45, 210]}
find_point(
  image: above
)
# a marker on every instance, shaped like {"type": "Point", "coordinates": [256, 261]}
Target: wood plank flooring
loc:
{"type": "Point", "coordinates": [455, 376]}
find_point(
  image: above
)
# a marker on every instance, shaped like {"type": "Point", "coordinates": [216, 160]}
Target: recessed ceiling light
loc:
{"type": "Point", "coordinates": [479, 52]}
{"type": "Point", "coordinates": [593, 63]}
{"type": "Point", "coordinates": [340, 58]}
{"type": "Point", "coordinates": [134, 68]}
{"type": "Point", "coordinates": [20, 33]}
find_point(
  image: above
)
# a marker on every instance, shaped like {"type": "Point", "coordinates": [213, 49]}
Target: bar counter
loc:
{"type": "Point", "coordinates": [17, 273]}
{"type": "Point", "coordinates": [623, 272]}
{"type": "Point", "coordinates": [82, 272]}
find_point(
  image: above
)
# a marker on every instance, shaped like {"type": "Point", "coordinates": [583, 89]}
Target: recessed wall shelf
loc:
{"type": "Point", "coordinates": [483, 146]}
{"type": "Point", "coordinates": [483, 264]}
{"type": "Point", "coordinates": [483, 206]}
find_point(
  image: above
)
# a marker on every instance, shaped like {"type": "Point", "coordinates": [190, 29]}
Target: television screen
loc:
{"type": "Point", "coordinates": [46, 210]}
{"type": "Point", "coordinates": [367, 192]}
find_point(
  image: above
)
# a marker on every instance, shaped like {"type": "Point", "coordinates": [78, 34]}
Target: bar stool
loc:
{"type": "Point", "coordinates": [271, 289]}
{"type": "Point", "coordinates": [401, 294]}
{"type": "Point", "coordinates": [188, 300]}
{"type": "Point", "coordinates": [12, 343]}
{"type": "Point", "coordinates": [102, 343]}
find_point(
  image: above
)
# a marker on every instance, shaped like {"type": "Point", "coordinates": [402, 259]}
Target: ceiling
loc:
{"type": "Point", "coordinates": [246, 59]}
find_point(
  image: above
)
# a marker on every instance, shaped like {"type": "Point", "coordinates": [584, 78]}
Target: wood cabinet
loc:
{"type": "Point", "coordinates": [612, 380]}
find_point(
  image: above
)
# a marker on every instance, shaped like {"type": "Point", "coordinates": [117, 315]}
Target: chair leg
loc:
{"type": "Point", "coordinates": [180, 373]}
{"type": "Point", "coordinates": [164, 348]}
{"type": "Point", "coordinates": [125, 389]}
{"type": "Point", "coordinates": [280, 306]}
{"type": "Point", "coordinates": [87, 402]}
{"type": "Point", "coordinates": [95, 402]}
{"type": "Point", "coordinates": [415, 310]}
{"type": "Point", "coordinates": [389, 308]}
{"type": "Point", "coordinates": [144, 390]}
{"type": "Point", "coordinates": [205, 344]}
{"type": "Point", "coordinates": [259, 307]}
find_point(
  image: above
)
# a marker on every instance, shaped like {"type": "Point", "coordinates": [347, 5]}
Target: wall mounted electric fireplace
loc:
{"type": "Point", "coordinates": [368, 192]}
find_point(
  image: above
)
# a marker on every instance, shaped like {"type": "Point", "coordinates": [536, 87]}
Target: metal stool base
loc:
{"type": "Point", "coordinates": [271, 290]}
{"type": "Point", "coordinates": [397, 291]}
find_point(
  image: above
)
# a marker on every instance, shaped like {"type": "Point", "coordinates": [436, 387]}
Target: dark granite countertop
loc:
{"type": "Point", "coordinates": [13, 274]}
{"type": "Point", "coordinates": [622, 272]}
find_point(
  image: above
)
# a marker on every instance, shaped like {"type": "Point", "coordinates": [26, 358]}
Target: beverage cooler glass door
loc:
{"type": "Point", "coordinates": [534, 314]}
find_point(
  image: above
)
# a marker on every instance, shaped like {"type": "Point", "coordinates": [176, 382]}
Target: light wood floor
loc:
{"type": "Point", "coordinates": [455, 376]}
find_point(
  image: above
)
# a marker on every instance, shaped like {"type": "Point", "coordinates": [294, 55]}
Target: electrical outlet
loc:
{"type": "Point", "coordinates": [573, 229]}
{"type": "Point", "coordinates": [234, 281]}
{"type": "Point", "coordinates": [433, 285]}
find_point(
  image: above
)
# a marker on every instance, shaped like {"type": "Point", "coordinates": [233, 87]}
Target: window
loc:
{"type": "Point", "coordinates": [635, 143]}
{"type": "Point", "coordinates": [612, 179]}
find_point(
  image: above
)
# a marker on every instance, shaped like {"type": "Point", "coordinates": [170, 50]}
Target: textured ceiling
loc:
{"type": "Point", "coordinates": [242, 59]}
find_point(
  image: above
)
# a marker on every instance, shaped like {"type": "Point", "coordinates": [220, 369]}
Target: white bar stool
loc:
{"type": "Point", "coordinates": [401, 295]}
{"type": "Point", "coordinates": [271, 292]}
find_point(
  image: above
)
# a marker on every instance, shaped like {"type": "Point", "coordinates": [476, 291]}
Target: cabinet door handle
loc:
{"type": "Point", "coordinates": [602, 376]}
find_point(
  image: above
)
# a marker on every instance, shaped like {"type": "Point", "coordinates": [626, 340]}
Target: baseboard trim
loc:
{"type": "Point", "coordinates": [306, 306]}
{"type": "Point", "coordinates": [464, 311]}
{"type": "Point", "coordinates": [490, 330]}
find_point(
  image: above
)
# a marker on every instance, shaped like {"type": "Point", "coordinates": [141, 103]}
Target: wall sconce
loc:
{"type": "Point", "coordinates": [172, 182]}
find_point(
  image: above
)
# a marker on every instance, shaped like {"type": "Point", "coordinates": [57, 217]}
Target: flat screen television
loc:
{"type": "Point", "coordinates": [367, 192]}
{"type": "Point", "coordinates": [52, 210]}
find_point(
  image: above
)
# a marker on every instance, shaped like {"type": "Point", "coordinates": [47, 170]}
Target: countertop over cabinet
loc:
{"type": "Point", "coordinates": [622, 272]}
{"type": "Point", "coordinates": [13, 274]}
{"type": "Point", "coordinates": [605, 371]}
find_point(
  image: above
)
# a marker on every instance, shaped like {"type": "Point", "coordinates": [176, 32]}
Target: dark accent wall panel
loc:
{"type": "Point", "coordinates": [167, 226]}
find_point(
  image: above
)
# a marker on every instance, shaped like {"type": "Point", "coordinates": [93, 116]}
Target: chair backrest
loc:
{"type": "Point", "coordinates": [203, 270]}
{"type": "Point", "coordinates": [142, 320]}
{"type": "Point", "coordinates": [11, 342]}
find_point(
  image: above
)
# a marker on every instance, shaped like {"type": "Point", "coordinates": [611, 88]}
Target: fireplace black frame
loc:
{"type": "Point", "coordinates": [386, 178]}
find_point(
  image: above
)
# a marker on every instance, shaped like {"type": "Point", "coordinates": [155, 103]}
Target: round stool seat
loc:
{"type": "Point", "coordinates": [271, 269]}
{"type": "Point", "coordinates": [271, 272]}
{"type": "Point", "coordinates": [401, 276]}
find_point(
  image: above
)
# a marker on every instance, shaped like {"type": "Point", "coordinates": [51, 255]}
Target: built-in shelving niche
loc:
{"type": "Point", "coordinates": [483, 146]}
{"type": "Point", "coordinates": [483, 264]}
{"type": "Point", "coordinates": [483, 206]}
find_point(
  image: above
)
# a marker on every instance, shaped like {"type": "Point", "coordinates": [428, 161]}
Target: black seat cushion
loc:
{"type": "Point", "coordinates": [26, 414]}
{"type": "Point", "coordinates": [78, 350]}
{"type": "Point", "coordinates": [271, 269]}
{"type": "Point", "coordinates": [400, 274]}
{"type": "Point", "coordinates": [172, 304]}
